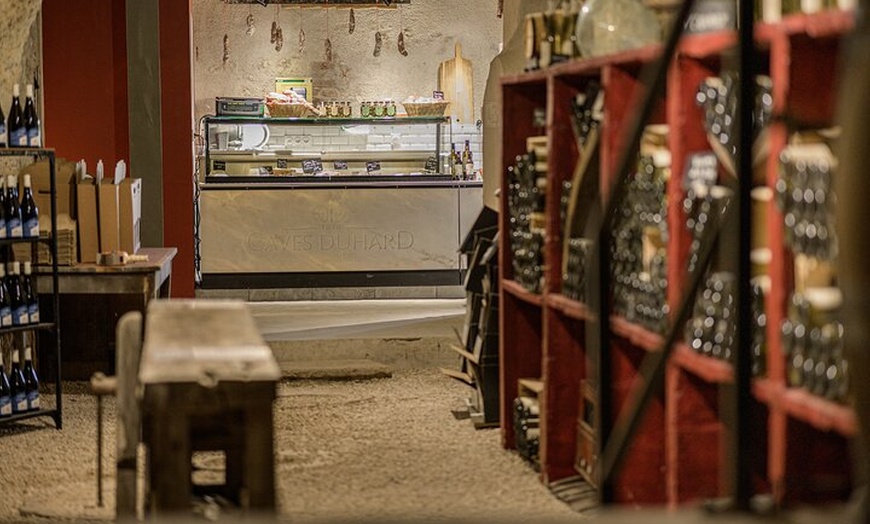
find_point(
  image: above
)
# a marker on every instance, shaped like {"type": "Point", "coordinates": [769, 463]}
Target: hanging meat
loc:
{"type": "Point", "coordinates": [379, 41]}
{"type": "Point", "coordinates": [351, 24]}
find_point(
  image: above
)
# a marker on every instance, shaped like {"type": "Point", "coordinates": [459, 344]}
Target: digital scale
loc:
{"type": "Point", "coordinates": [229, 106]}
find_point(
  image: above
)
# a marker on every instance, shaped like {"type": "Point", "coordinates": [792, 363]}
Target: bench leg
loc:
{"type": "Point", "coordinates": [170, 467]}
{"type": "Point", "coordinates": [259, 460]}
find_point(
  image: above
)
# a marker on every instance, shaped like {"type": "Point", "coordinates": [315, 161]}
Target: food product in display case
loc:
{"type": "Point", "coordinates": [289, 104]}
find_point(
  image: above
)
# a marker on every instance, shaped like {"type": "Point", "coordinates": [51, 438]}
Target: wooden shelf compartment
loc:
{"type": "Point", "coordinates": [520, 348]}
{"type": "Point", "coordinates": [569, 308]}
{"type": "Point", "coordinates": [710, 369]}
{"type": "Point", "coordinates": [563, 366]}
{"type": "Point", "coordinates": [818, 412]}
{"type": "Point", "coordinates": [513, 288]}
{"type": "Point", "coordinates": [832, 23]}
{"type": "Point", "coordinates": [640, 480]}
{"type": "Point", "coordinates": [637, 335]}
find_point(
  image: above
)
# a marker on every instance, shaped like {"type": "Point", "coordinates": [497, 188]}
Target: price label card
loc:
{"type": "Point", "coordinates": [219, 165]}
{"type": "Point", "coordinates": [438, 95]}
{"type": "Point", "coordinates": [312, 166]}
{"type": "Point", "coordinates": [373, 167]}
{"type": "Point", "coordinates": [339, 165]}
{"type": "Point", "coordinates": [265, 170]}
{"type": "Point", "coordinates": [283, 163]}
{"type": "Point", "coordinates": [701, 168]}
{"type": "Point", "coordinates": [431, 164]}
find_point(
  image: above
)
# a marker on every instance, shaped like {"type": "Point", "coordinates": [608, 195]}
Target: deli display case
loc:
{"type": "Point", "coordinates": [334, 202]}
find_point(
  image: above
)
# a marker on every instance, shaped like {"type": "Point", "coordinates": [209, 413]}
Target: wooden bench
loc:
{"type": "Point", "coordinates": [207, 382]}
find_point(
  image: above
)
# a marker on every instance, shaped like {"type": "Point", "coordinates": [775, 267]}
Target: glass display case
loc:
{"type": "Point", "coordinates": [334, 202]}
{"type": "Point", "coordinates": [293, 149]}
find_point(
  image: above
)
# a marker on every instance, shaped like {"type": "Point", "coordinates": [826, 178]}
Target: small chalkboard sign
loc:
{"type": "Point", "coordinates": [219, 165]}
{"type": "Point", "coordinates": [438, 95]}
{"type": "Point", "coordinates": [373, 167]}
{"type": "Point", "coordinates": [282, 163]}
{"type": "Point", "coordinates": [431, 164]}
{"type": "Point", "coordinates": [339, 165]}
{"type": "Point", "coordinates": [701, 168]}
{"type": "Point", "coordinates": [312, 166]}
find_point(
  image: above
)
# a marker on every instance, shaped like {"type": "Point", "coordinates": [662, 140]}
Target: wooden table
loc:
{"type": "Point", "coordinates": [150, 279]}
{"type": "Point", "coordinates": [93, 298]}
{"type": "Point", "coordinates": [208, 382]}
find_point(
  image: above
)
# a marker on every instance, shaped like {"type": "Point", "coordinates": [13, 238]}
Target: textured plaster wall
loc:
{"type": "Point", "coordinates": [431, 29]}
{"type": "Point", "coordinates": [20, 54]}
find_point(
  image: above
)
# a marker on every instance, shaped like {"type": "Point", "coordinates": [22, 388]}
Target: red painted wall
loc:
{"type": "Point", "coordinates": [85, 79]}
{"type": "Point", "coordinates": [176, 78]}
{"type": "Point", "coordinates": [85, 90]}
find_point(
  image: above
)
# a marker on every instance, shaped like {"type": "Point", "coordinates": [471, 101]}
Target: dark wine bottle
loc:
{"type": "Point", "coordinates": [5, 391]}
{"type": "Point", "coordinates": [3, 204]}
{"type": "Point", "coordinates": [13, 210]}
{"type": "Point", "coordinates": [15, 124]}
{"type": "Point", "coordinates": [4, 135]}
{"type": "Point", "coordinates": [30, 293]}
{"type": "Point", "coordinates": [16, 296]}
{"type": "Point", "coordinates": [31, 120]}
{"type": "Point", "coordinates": [31, 381]}
{"type": "Point", "coordinates": [29, 211]}
{"type": "Point", "coordinates": [5, 303]}
{"type": "Point", "coordinates": [17, 388]}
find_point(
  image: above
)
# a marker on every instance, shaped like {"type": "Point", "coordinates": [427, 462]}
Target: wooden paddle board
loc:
{"type": "Point", "coordinates": [456, 80]}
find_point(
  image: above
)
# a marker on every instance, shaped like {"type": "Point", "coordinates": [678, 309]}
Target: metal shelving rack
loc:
{"type": "Point", "coordinates": [54, 327]}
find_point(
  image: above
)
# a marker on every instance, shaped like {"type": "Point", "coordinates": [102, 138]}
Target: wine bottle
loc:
{"type": "Point", "coordinates": [3, 205]}
{"type": "Point", "coordinates": [17, 388]}
{"type": "Point", "coordinates": [29, 211]}
{"type": "Point", "coordinates": [4, 136]}
{"type": "Point", "coordinates": [467, 160]}
{"type": "Point", "coordinates": [5, 391]}
{"type": "Point", "coordinates": [30, 293]}
{"type": "Point", "coordinates": [31, 382]}
{"type": "Point", "coordinates": [15, 124]}
{"type": "Point", "coordinates": [31, 120]}
{"type": "Point", "coordinates": [16, 296]}
{"type": "Point", "coordinates": [458, 166]}
{"type": "Point", "coordinates": [13, 210]}
{"type": "Point", "coordinates": [5, 303]}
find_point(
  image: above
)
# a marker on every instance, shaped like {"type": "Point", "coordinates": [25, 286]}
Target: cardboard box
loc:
{"type": "Point", "coordinates": [88, 223]}
{"type": "Point", "coordinates": [130, 194]}
{"type": "Point", "coordinates": [109, 216]}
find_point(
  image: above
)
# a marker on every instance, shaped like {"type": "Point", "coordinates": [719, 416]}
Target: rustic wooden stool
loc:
{"type": "Point", "coordinates": [208, 385]}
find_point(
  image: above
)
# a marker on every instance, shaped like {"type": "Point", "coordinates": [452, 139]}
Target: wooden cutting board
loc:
{"type": "Point", "coordinates": [456, 80]}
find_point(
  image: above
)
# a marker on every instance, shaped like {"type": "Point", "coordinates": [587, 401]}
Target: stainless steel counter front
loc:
{"type": "Point", "coordinates": [329, 234]}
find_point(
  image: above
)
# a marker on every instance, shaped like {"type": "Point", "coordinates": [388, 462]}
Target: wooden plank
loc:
{"type": "Point", "coordinates": [129, 348]}
{"type": "Point", "coordinates": [534, 385]}
{"type": "Point", "coordinates": [465, 354]}
{"type": "Point", "coordinates": [191, 341]}
{"type": "Point", "coordinates": [458, 375]}
{"type": "Point", "coordinates": [456, 80]}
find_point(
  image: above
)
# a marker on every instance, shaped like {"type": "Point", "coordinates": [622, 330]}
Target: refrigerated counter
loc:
{"type": "Point", "coordinates": [300, 205]}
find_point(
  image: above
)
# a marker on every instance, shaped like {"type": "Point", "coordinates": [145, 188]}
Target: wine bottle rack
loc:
{"type": "Point", "coordinates": [802, 439]}
{"type": "Point", "coordinates": [50, 328]}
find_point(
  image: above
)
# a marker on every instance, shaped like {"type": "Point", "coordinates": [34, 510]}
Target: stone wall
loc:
{"type": "Point", "coordinates": [252, 63]}
{"type": "Point", "coordinates": [20, 54]}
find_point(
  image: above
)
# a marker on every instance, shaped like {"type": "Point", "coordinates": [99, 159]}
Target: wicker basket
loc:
{"type": "Point", "coordinates": [425, 109]}
{"type": "Point", "coordinates": [287, 110]}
